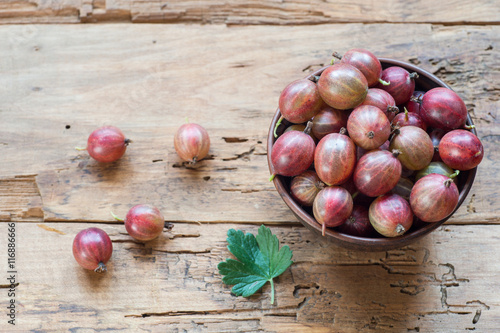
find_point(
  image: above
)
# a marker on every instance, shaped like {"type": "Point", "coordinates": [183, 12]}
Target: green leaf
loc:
{"type": "Point", "coordinates": [259, 260]}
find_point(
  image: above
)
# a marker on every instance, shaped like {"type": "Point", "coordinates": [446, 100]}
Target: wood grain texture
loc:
{"type": "Point", "coordinates": [249, 12]}
{"type": "Point", "coordinates": [147, 79]}
{"type": "Point", "coordinates": [172, 284]}
{"type": "Point", "coordinates": [60, 82]}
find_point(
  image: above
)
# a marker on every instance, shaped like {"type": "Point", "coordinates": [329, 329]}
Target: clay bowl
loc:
{"type": "Point", "coordinates": [419, 229]}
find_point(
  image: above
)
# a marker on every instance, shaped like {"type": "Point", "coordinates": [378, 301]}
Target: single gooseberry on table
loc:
{"type": "Point", "coordinates": [106, 144]}
{"type": "Point", "coordinates": [191, 142]}
{"type": "Point", "coordinates": [143, 222]}
{"type": "Point", "coordinates": [92, 249]}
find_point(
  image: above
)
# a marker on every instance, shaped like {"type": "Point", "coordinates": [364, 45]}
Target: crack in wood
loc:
{"type": "Point", "coordinates": [247, 190]}
{"type": "Point", "coordinates": [127, 241]}
{"type": "Point", "coordinates": [226, 169]}
{"type": "Point", "coordinates": [476, 316]}
{"type": "Point", "coordinates": [280, 311]}
{"type": "Point", "coordinates": [408, 288]}
{"type": "Point", "coordinates": [286, 314]}
{"type": "Point", "coordinates": [234, 139]}
{"type": "Point", "coordinates": [483, 305]}
{"type": "Point", "coordinates": [195, 166]}
{"type": "Point", "coordinates": [43, 226]}
{"type": "Point", "coordinates": [245, 155]}
{"type": "Point", "coordinates": [183, 251]}
{"type": "Point", "coordinates": [299, 287]}
{"type": "Point", "coordinates": [185, 236]}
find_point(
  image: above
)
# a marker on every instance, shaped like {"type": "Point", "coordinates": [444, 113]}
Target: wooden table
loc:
{"type": "Point", "coordinates": [222, 64]}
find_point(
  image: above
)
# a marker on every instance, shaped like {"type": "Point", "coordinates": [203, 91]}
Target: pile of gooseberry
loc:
{"type": "Point", "coordinates": [366, 153]}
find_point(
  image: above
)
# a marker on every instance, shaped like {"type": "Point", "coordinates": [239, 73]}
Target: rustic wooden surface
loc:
{"type": "Point", "coordinates": [244, 12]}
{"type": "Point", "coordinates": [61, 81]}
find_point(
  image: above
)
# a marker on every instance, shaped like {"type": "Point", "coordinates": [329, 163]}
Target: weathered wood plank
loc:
{"type": "Point", "coordinates": [42, 11]}
{"type": "Point", "coordinates": [20, 199]}
{"type": "Point", "coordinates": [245, 12]}
{"type": "Point", "coordinates": [59, 84]}
{"type": "Point", "coordinates": [172, 283]}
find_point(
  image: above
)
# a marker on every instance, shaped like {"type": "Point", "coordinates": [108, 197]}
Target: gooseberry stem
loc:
{"type": "Point", "coordinates": [80, 148]}
{"type": "Point", "coordinates": [453, 175]}
{"type": "Point", "coordinates": [277, 125]}
{"type": "Point", "coordinates": [337, 55]}
{"type": "Point", "coordinates": [384, 83]}
{"type": "Point", "coordinates": [101, 268]}
{"type": "Point", "coordinates": [308, 128]}
{"type": "Point", "coordinates": [448, 181]}
{"type": "Point", "coordinates": [272, 177]}
{"type": "Point", "coordinates": [392, 108]}
{"type": "Point", "coordinates": [396, 131]}
{"type": "Point", "coordinates": [396, 152]}
{"type": "Point", "coordinates": [416, 99]}
{"type": "Point", "coordinates": [116, 217]}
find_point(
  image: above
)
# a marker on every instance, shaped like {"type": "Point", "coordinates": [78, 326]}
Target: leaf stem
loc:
{"type": "Point", "coordinates": [272, 291]}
